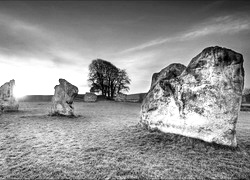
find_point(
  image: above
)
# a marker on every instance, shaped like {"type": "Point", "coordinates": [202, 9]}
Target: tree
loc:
{"type": "Point", "coordinates": [106, 78]}
{"type": "Point", "coordinates": [122, 81]}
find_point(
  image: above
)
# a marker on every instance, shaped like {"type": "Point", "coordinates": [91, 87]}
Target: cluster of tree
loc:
{"type": "Point", "coordinates": [106, 78]}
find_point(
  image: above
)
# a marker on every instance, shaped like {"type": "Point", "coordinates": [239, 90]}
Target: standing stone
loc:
{"type": "Point", "coordinates": [62, 101]}
{"type": "Point", "coordinates": [90, 97]}
{"type": "Point", "coordinates": [120, 97]}
{"type": "Point", "coordinates": [202, 102]}
{"type": "Point", "coordinates": [7, 100]}
{"type": "Point", "coordinates": [136, 98]}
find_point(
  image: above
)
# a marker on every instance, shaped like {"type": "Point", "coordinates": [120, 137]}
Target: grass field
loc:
{"type": "Point", "coordinates": [105, 142]}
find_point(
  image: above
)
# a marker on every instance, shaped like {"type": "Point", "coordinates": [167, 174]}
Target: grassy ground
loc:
{"type": "Point", "coordinates": [106, 143]}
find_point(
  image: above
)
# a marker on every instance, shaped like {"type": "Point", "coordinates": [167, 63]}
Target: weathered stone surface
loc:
{"type": "Point", "coordinates": [90, 97]}
{"type": "Point", "coordinates": [62, 101]}
{"type": "Point", "coordinates": [8, 102]}
{"type": "Point", "coordinates": [169, 72]}
{"type": "Point", "coordinates": [120, 97]}
{"type": "Point", "coordinates": [202, 102]}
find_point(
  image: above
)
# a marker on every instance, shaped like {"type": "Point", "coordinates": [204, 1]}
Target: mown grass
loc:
{"type": "Point", "coordinates": [105, 142]}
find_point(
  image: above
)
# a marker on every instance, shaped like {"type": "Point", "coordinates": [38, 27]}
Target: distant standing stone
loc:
{"type": "Point", "coordinates": [120, 97]}
{"type": "Point", "coordinates": [90, 97]}
{"type": "Point", "coordinates": [8, 102]}
{"type": "Point", "coordinates": [202, 101]}
{"type": "Point", "coordinates": [62, 101]}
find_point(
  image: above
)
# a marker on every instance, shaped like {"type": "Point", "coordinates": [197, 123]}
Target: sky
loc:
{"type": "Point", "coordinates": [42, 41]}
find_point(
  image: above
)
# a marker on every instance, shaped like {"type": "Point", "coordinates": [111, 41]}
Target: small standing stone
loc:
{"type": "Point", "coordinates": [62, 101]}
{"type": "Point", "coordinates": [8, 102]}
{"type": "Point", "coordinates": [90, 97]}
{"type": "Point", "coordinates": [120, 97]}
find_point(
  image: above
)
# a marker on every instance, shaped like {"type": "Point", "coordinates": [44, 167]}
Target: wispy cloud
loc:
{"type": "Point", "coordinates": [16, 25]}
{"type": "Point", "coordinates": [29, 41]}
{"type": "Point", "coordinates": [21, 38]}
{"type": "Point", "coordinates": [223, 25]}
{"type": "Point", "coordinates": [148, 44]}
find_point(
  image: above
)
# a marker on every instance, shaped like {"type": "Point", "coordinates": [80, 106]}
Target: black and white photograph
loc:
{"type": "Point", "coordinates": [123, 89]}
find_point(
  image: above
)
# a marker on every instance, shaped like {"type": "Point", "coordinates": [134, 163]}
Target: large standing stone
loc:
{"type": "Point", "coordinates": [62, 101]}
{"type": "Point", "coordinates": [90, 97]}
{"type": "Point", "coordinates": [8, 102]}
{"type": "Point", "coordinates": [202, 102]}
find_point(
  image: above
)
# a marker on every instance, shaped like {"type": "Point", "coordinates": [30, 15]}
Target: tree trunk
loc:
{"type": "Point", "coordinates": [102, 89]}
{"type": "Point", "coordinates": [113, 90]}
{"type": "Point", "coordinates": [118, 89]}
{"type": "Point", "coordinates": [108, 88]}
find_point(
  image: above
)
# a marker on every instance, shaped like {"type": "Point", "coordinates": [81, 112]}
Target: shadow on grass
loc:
{"type": "Point", "coordinates": [14, 112]}
{"type": "Point", "coordinates": [46, 116]}
{"type": "Point", "coordinates": [181, 157]}
{"type": "Point", "coordinates": [63, 116]}
{"type": "Point", "coordinates": [143, 137]}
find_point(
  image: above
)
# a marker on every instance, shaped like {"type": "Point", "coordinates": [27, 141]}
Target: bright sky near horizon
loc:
{"type": "Point", "coordinates": [42, 41]}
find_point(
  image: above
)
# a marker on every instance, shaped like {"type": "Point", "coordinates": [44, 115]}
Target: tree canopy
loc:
{"type": "Point", "coordinates": [106, 78]}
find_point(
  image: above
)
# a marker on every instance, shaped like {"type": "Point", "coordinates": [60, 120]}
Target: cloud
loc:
{"type": "Point", "coordinates": [31, 52]}
{"type": "Point", "coordinates": [15, 24]}
{"type": "Point", "coordinates": [25, 41]}
{"type": "Point", "coordinates": [148, 44]}
{"type": "Point", "coordinates": [223, 25]}
{"type": "Point", "coordinates": [140, 66]}
{"type": "Point", "coordinates": [211, 6]}
{"type": "Point", "coordinates": [20, 38]}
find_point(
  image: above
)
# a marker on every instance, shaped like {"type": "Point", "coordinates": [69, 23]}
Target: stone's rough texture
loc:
{"type": "Point", "coordinates": [90, 97]}
{"type": "Point", "coordinates": [121, 97]}
{"type": "Point", "coordinates": [202, 102]}
{"type": "Point", "coordinates": [7, 100]}
{"type": "Point", "coordinates": [63, 98]}
{"type": "Point", "coordinates": [171, 71]}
